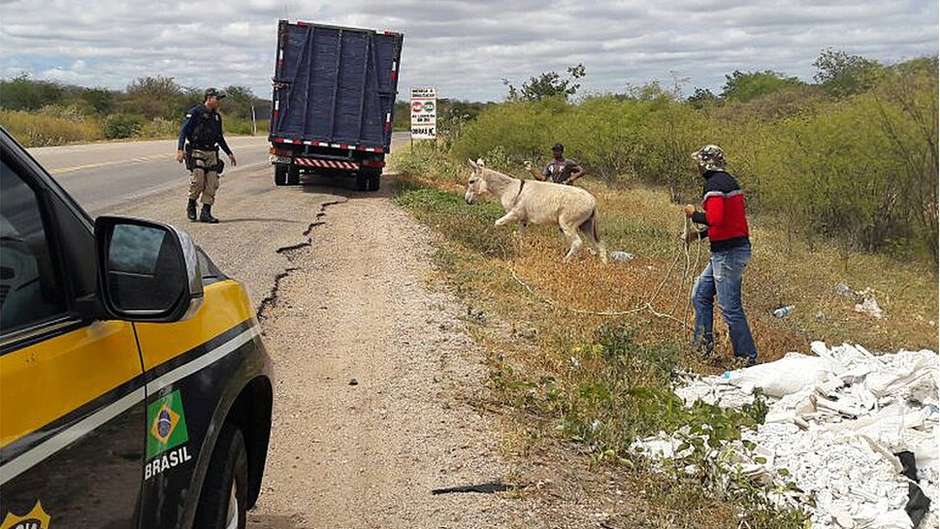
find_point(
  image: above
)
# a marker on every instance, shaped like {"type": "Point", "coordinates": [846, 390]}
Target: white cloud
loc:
{"type": "Point", "coordinates": [463, 48]}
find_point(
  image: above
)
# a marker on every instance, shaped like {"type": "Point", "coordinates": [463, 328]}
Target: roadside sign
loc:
{"type": "Point", "coordinates": [423, 113]}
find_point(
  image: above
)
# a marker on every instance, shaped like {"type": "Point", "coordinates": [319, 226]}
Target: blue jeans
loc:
{"type": "Point", "coordinates": [723, 277]}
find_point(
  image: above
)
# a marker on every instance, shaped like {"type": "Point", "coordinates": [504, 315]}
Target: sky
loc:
{"type": "Point", "coordinates": [464, 49]}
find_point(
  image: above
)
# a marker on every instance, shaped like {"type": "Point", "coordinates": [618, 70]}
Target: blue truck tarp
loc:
{"type": "Point", "coordinates": [335, 84]}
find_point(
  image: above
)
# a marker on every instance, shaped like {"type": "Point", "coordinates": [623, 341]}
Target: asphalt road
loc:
{"type": "Point", "coordinates": [104, 175]}
{"type": "Point", "coordinates": [143, 179]}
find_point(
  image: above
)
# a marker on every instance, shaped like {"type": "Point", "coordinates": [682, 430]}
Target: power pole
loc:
{"type": "Point", "coordinates": [254, 123]}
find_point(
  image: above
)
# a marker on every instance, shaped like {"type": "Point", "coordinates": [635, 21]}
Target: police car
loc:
{"type": "Point", "coordinates": [135, 391]}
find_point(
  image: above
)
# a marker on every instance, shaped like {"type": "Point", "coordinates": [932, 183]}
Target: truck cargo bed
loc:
{"type": "Point", "coordinates": [335, 86]}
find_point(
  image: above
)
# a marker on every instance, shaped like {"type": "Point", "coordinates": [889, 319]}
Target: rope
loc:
{"type": "Point", "coordinates": [695, 266]}
{"type": "Point", "coordinates": [646, 305]}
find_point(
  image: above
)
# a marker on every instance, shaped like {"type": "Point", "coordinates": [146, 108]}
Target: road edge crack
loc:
{"type": "Point", "coordinates": [290, 252]}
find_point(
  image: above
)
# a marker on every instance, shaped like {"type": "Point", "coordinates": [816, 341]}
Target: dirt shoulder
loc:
{"type": "Point", "coordinates": [375, 373]}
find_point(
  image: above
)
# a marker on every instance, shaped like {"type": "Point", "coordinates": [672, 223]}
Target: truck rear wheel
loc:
{"type": "Point", "coordinates": [293, 175]}
{"type": "Point", "coordinates": [375, 180]}
{"type": "Point", "coordinates": [280, 174]}
{"type": "Point", "coordinates": [362, 181]}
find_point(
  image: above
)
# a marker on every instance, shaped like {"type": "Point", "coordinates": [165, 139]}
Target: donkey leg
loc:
{"type": "Point", "coordinates": [508, 217]}
{"type": "Point", "coordinates": [602, 251]}
{"type": "Point", "coordinates": [576, 242]}
{"type": "Point", "coordinates": [586, 228]}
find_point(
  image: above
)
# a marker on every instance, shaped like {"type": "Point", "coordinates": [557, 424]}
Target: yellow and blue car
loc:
{"type": "Point", "coordinates": [135, 391]}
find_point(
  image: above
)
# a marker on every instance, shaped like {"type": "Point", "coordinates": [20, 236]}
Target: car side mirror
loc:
{"type": "Point", "coordinates": [147, 271]}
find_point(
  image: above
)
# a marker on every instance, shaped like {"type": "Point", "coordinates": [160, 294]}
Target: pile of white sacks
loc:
{"type": "Point", "coordinates": [836, 421]}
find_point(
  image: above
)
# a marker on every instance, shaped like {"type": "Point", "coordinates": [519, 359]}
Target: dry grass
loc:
{"type": "Point", "coordinates": [642, 221]}
{"type": "Point", "coordinates": [782, 272]}
{"type": "Point", "coordinates": [35, 129]}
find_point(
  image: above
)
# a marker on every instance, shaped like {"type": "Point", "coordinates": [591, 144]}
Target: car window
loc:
{"type": "Point", "coordinates": [30, 291]}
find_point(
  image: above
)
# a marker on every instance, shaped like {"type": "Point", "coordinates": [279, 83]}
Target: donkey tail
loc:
{"type": "Point", "coordinates": [589, 228]}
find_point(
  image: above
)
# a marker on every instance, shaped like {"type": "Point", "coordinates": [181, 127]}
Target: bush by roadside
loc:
{"type": "Point", "coordinates": [40, 130]}
{"type": "Point", "coordinates": [56, 126]}
{"type": "Point", "coordinates": [119, 126]}
{"type": "Point", "coordinates": [44, 113]}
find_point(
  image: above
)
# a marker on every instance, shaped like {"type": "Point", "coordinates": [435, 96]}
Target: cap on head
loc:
{"type": "Point", "coordinates": [214, 92]}
{"type": "Point", "coordinates": [558, 148]}
{"type": "Point", "coordinates": [710, 158]}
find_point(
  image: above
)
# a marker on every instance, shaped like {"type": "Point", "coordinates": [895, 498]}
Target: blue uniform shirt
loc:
{"type": "Point", "coordinates": [210, 133]}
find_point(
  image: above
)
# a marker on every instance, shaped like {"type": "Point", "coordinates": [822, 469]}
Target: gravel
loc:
{"type": "Point", "coordinates": [369, 455]}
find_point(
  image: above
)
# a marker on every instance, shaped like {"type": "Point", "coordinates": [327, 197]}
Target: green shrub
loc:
{"type": "Point", "coordinates": [122, 125]}
{"type": "Point", "coordinates": [240, 126]}
{"type": "Point", "coordinates": [524, 130]}
{"type": "Point", "coordinates": [159, 128]}
{"type": "Point", "coordinates": [745, 86]}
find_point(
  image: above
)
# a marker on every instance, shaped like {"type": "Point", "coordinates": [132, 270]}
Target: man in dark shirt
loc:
{"type": "Point", "coordinates": [727, 230]}
{"type": "Point", "coordinates": [202, 128]}
{"type": "Point", "coordinates": [560, 170]}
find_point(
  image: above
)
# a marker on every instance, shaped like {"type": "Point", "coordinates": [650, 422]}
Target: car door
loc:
{"type": "Point", "coordinates": [72, 414]}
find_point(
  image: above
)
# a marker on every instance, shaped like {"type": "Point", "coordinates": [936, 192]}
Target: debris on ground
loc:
{"type": "Point", "coordinates": [482, 488]}
{"type": "Point", "coordinates": [865, 301]}
{"type": "Point", "coordinates": [782, 312]}
{"type": "Point", "coordinates": [869, 305]}
{"type": "Point", "coordinates": [844, 433]}
{"type": "Point", "coordinates": [845, 291]}
{"type": "Point", "coordinates": [621, 256]}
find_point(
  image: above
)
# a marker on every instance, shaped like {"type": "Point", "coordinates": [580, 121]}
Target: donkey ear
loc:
{"type": "Point", "coordinates": [472, 164]}
{"type": "Point", "coordinates": [480, 162]}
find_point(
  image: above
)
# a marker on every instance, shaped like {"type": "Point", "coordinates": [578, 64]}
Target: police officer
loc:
{"type": "Point", "coordinates": [202, 128]}
{"type": "Point", "coordinates": [560, 170]}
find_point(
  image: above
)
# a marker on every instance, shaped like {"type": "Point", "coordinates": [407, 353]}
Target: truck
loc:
{"type": "Point", "coordinates": [333, 102]}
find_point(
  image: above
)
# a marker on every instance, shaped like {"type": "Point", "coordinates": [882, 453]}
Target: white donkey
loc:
{"type": "Point", "coordinates": [536, 202]}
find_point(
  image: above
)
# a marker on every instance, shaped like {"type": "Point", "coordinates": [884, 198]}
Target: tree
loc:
{"type": "Point", "coordinates": [23, 93]}
{"type": "Point", "coordinates": [702, 98]}
{"type": "Point", "coordinates": [100, 99]}
{"type": "Point", "coordinates": [238, 101]}
{"type": "Point", "coordinates": [547, 85]}
{"type": "Point", "coordinates": [155, 97]}
{"type": "Point", "coordinates": [652, 91]}
{"type": "Point", "coordinates": [843, 75]}
{"type": "Point", "coordinates": [744, 86]}
{"type": "Point", "coordinates": [907, 108]}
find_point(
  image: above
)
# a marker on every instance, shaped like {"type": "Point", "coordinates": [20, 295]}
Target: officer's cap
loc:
{"type": "Point", "coordinates": [214, 92]}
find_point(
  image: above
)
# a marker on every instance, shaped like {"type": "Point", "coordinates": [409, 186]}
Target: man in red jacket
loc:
{"type": "Point", "coordinates": [726, 229]}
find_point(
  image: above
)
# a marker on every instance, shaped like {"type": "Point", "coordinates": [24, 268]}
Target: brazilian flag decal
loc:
{"type": "Point", "coordinates": [167, 424]}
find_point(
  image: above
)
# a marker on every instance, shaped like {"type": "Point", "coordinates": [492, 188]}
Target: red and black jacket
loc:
{"type": "Point", "coordinates": [723, 201]}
